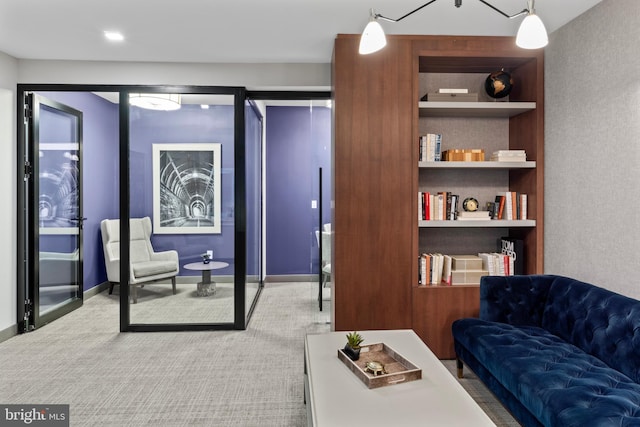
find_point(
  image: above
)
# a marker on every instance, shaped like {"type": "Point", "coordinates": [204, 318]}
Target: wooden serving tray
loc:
{"type": "Point", "coordinates": [397, 368]}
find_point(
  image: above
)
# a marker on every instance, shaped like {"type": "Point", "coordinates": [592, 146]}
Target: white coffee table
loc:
{"type": "Point", "coordinates": [336, 397]}
{"type": "Point", "coordinates": [206, 287]}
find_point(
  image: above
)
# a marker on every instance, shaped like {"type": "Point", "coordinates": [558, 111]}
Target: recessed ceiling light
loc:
{"type": "Point", "coordinates": [114, 36]}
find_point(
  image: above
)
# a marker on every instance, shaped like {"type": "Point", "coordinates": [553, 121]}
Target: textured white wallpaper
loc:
{"type": "Point", "coordinates": [592, 148]}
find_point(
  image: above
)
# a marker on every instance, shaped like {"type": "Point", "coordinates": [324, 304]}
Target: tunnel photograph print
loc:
{"type": "Point", "coordinates": [186, 188]}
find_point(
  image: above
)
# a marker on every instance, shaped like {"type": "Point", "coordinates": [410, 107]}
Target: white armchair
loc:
{"type": "Point", "coordinates": [146, 265]}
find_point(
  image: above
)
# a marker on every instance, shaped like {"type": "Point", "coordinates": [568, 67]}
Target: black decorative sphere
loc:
{"type": "Point", "coordinates": [498, 84]}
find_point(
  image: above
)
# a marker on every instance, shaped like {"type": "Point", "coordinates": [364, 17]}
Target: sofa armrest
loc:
{"type": "Point", "coordinates": [516, 300]}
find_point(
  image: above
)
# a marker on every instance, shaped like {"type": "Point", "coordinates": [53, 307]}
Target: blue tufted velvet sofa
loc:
{"type": "Point", "coordinates": [555, 351]}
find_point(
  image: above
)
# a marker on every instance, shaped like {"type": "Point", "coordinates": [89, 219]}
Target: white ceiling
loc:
{"type": "Point", "coordinates": [239, 30]}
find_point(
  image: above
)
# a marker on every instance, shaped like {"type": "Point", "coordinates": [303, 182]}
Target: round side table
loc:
{"type": "Point", "coordinates": [206, 287]}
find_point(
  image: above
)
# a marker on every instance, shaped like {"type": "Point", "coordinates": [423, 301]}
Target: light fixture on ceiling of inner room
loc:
{"type": "Point", "coordinates": [531, 35]}
{"type": "Point", "coordinates": [156, 101]}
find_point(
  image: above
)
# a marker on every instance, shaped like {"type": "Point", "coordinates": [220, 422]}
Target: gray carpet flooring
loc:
{"type": "Point", "coordinates": [221, 378]}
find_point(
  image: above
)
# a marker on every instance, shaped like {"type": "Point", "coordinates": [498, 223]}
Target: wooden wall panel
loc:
{"type": "Point", "coordinates": [526, 131]}
{"type": "Point", "coordinates": [436, 308]}
{"type": "Point", "coordinates": [373, 186]}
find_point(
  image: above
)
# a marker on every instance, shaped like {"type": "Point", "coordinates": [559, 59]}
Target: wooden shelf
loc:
{"type": "Point", "coordinates": [482, 223]}
{"type": "Point", "coordinates": [474, 109]}
{"type": "Point", "coordinates": [409, 67]}
{"type": "Point", "coordinates": [477, 165]}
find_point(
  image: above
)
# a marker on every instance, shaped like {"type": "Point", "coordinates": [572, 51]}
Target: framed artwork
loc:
{"type": "Point", "coordinates": [186, 188]}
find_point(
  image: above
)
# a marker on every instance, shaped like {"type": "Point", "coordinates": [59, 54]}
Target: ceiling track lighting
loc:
{"type": "Point", "coordinates": [531, 35]}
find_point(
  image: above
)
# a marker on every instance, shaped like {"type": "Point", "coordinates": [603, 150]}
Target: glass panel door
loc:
{"type": "Point", "coordinates": [297, 146]}
{"type": "Point", "coordinates": [53, 211]}
{"type": "Point", "coordinates": [254, 170]}
{"type": "Point", "coordinates": [320, 118]}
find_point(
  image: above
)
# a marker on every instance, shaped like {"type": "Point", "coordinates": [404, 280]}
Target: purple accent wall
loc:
{"type": "Point", "coordinates": [99, 174]}
{"type": "Point", "coordinates": [298, 141]}
{"type": "Point", "coordinates": [189, 124]}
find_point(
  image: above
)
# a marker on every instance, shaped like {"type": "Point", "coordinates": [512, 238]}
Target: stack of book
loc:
{"type": "Point", "coordinates": [451, 94]}
{"type": "Point", "coordinates": [430, 147]}
{"type": "Point", "coordinates": [509, 156]}
{"type": "Point", "coordinates": [473, 216]}
{"type": "Point", "coordinates": [453, 90]}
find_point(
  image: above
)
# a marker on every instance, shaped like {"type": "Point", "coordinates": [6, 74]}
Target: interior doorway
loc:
{"type": "Point", "coordinates": [298, 190]}
{"type": "Point", "coordinates": [52, 216]}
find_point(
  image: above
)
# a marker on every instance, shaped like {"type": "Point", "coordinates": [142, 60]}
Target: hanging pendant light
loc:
{"type": "Point", "coordinates": [373, 38]}
{"type": "Point", "coordinates": [532, 33]}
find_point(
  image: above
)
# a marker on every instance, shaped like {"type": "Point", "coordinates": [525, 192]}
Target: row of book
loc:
{"type": "Point", "coordinates": [438, 206]}
{"type": "Point", "coordinates": [430, 150]}
{"type": "Point", "coordinates": [498, 264]}
{"type": "Point", "coordinates": [436, 269]}
{"type": "Point", "coordinates": [430, 147]}
{"type": "Point", "coordinates": [510, 206]}
{"type": "Point", "coordinates": [443, 206]}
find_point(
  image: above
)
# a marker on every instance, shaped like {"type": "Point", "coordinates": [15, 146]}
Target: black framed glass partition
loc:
{"type": "Point", "coordinates": [254, 155]}
{"type": "Point", "coordinates": [185, 179]}
{"type": "Point", "coordinates": [297, 134]}
{"type": "Point", "coordinates": [187, 208]}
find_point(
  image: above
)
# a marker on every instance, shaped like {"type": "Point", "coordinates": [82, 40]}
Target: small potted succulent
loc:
{"type": "Point", "coordinates": [352, 348]}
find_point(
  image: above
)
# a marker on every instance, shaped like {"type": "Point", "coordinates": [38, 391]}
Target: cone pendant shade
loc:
{"type": "Point", "coordinates": [532, 34]}
{"type": "Point", "coordinates": [373, 38]}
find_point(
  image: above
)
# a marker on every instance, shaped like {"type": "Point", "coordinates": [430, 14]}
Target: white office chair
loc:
{"type": "Point", "coordinates": [146, 265]}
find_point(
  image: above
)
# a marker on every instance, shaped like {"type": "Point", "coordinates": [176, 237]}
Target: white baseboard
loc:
{"type": "Point", "coordinates": [11, 331]}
